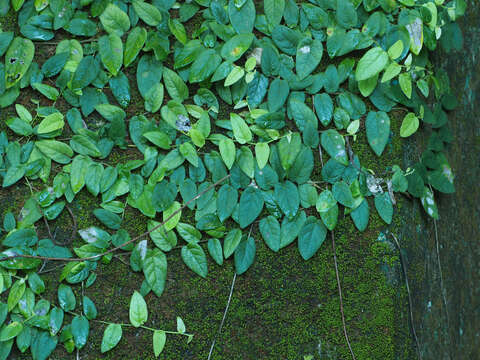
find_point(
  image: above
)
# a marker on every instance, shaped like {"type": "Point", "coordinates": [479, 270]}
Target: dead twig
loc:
{"type": "Point", "coordinates": [125, 243]}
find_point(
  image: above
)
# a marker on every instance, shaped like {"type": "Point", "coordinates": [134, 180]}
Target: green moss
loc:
{"type": "Point", "coordinates": [8, 22]}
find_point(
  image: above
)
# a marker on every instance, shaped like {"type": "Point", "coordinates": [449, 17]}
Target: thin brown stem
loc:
{"type": "Point", "coordinates": [341, 297]}
{"type": "Point", "coordinates": [410, 303]}
{"type": "Point", "coordinates": [94, 257]}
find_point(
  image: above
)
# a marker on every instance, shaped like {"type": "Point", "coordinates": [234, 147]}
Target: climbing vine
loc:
{"type": "Point", "coordinates": [300, 80]}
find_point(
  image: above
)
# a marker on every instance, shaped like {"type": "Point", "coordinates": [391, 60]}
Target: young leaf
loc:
{"type": "Point", "coordinates": [405, 81]}
{"type": "Point", "coordinates": [372, 63]}
{"type": "Point", "coordinates": [409, 126]}
{"type": "Point", "coordinates": [138, 312]}
{"type": "Point", "coordinates": [111, 337]}
{"type": "Point", "coordinates": [378, 130]}
{"type": "Point", "coordinates": [115, 20]}
{"type": "Point", "coordinates": [159, 339]}
{"type": "Point", "coordinates": [262, 153]}
{"type": "Point", "coordinates": [241, 131]}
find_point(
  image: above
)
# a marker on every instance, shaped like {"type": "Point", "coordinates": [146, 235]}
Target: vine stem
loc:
{"type": "Point", "coordinates": [226, 308]}
{"type": "Point", "coordinates": [199, 195]}
{"type": "Point", "coordinates": [410, 303]}
{"type": "Point", "coordinates": [341, 297]}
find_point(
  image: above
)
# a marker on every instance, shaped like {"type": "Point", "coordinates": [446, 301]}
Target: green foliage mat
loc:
{"type": "Point", "coordinates": [224, 127]}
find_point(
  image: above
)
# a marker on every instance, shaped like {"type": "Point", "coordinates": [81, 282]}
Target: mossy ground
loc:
{"type": "Point", "coordinates": [282, 308]}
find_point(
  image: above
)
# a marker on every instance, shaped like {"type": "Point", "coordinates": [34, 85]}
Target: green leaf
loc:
{"type": "Point", "coordinates": [14, 173]}
{"type": "Point", "coordinates": [43, 345]}
{"type": "Point", "coordinates": [378, 130]}
{"type": "Point", "coordinates": [180, 325]}
{"type": "Point", "coordinates": [11, 330]}
{"type": "Point", "coordinates": [244, 255]}
{"type": "Point", "coordinates": [277, 94]}
{"type": "Point", "coordinates": [155, 271]}
{"type": "Point", "coordinates": [18, 58]}
{"type": "Point", "coordinates": [288, 149]}
{"type": "Point", "coordinates": [236, 46]}
{"type": "Point", "coordinates": [245, 161]}
{"type": "Point", "coordinates": [342, 193]}
{"type": "Point", "coordinates": [176, 87]}
{"type": "Point", "coordinates": [250, 206]}
{"type": "Point", "coordinates": [138, 313]}
{"type": "Point", "coordinates": [66, 298]}
{"type": "Point", "coordinates": [159, 339]}
{"type": "Point", "coordinates": [270, 230]}
{"type": "Point", "coordinates": [111, 52]}
{"type": "Point", "coordinates": [372, 63]}
{"type": "Point", "coordinates": [274, 11]}
{"type": "Point", "coordinates": [194, 257]}
{"type": "Point", "coordinates": [346, 14]}
{"type": "Point", "coordinates": [428, 203]}
{"type": "Point", "coordinates": [391, 71]}
{"type": "Point", "coordinates": [311, 237]}
{"type": "Point", "coordinates": [286, 195]}
{"type": "Point", "coordinates": [384, 207]}
{"type": "Point", "coordinates": [108, 218]}
{"type": "Point", "coordinates": [80, 329]}
{"type": "Point", "coordinates": [111, 337]}
{"type": "Point", "coordinates": [149, 14]}
{"type": "Point", "coordinates": [204, 66]}
{"type": "Point", "coordinates": [85, 73]}
{"type": "Point", "coordinates": [158, 138]}
{"type": "Point", "coordinates": [89, 309]}
{"type": "Point", "coordinates": [51, 123]}
{"type": "Point", "coordinates": [55, 150]}
{"type": "Point", "coordinates": [55, 64]}
{"type": "Point", "coordinates": [409, 126]}
{"type": "Point", "coordinates": [178, 30]}
{"type": "Point", "coordinates": [215, 250]}
{"type": "Point", "coordinates": [115, 20]}
{"type": "Point", "coordinates": [189, 152]}
{"type": "Point", "coordinates": [309, 55]}
{"type": "Point", "coordinates": [405, 81]}
{"type": "Point", "coordinates": [323, 107]}
{"type": "Point", "coordinates": [242, 17]}
{"type": "Point", "coordinates": [235, 75]}
{"type": "Point", "coordinates": [135, 41]}
{"type": "Point", "coordinates": [360, 215]}
{"type": "Point", "coordinates": [172, 223]}
{"type": "Point", "coordinates": [286, 39]}
{"type": "Point", "coordinates": [227, 200]}
{"type": "Point", "coordinates": [189, 233]}
{"type": "Point", "coordinates": [231, 242]}
{"type": "Point", "coordinates": [262, 153]}
{"type": "Point", "coordinates": [334, 145]}
{"type": "Point", "coordinates": [256, 90]}
{"type": "Point", "coordinates": [241, 131]}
